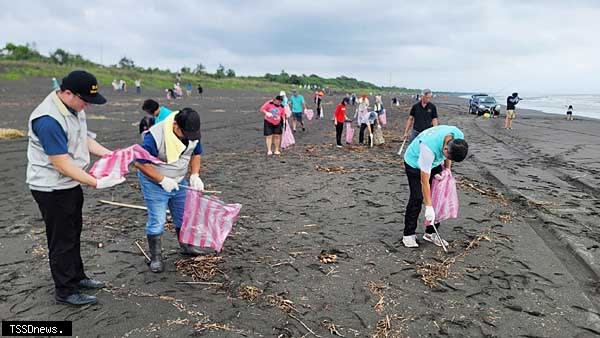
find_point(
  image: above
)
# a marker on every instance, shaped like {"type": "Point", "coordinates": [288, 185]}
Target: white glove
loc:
{"type": "Point", "coordinates": [109, 181]}
{"type": "Point", "coordinates": [169, 184]}
{"type": "Point", "coordinates": [196, 183]}
{"type": "Point", "coordinates": [429, 214]}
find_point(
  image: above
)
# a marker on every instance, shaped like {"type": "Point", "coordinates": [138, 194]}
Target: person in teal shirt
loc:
{"type": "Point", "coordinates": [297, 105]}
{"type": "Point", "coordinates": [423, 161]}
{"type": "Point", "coordinates": [159, 112]}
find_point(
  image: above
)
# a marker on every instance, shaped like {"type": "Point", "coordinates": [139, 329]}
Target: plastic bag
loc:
{"type": "Point", "coordinates": [309, 113]}
{"type": "Point", "coordinates": [444, 197]}
{"type": "Point", "coordinates": [349, 132]}
{"type": "Point", "coordinates": [117, 161]}
{"type": "Point", "coordinates": [287, 139]}
{"type": "Point", "coordinates": [207, 221]}
{"type": "Point", "coordinates": [378, 136]}
{"type": "Point", "coordinates": [288, 111]}
{"type": "Point", "coordinates": [383, 118]}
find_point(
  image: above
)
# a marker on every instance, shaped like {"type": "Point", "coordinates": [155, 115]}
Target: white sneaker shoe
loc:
{"type": "Point", "coordinates": [435, 239]}
{"type": "Point", "coordinates": [410, 241]}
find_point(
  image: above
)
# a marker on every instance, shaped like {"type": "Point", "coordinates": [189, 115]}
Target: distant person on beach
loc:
{"type": "Point", "coordinates": [423, 115]}
{"type": "Point", "coordinates": [340, 118]}
{"type": "Point", "coordinates": [115, 85]}
{"type": "Point", "coordinates": [138, 86]}
{"type": "Point", "coordinates": [511, 114]}
{"type": "Point", "coordinates": [188, 89]}
{"type": "Point", "coordinates": [423, 161]}
{"type": "Point", "coordinates": [200, 90]}
{"type": "Point", "coordinates": [58, 153]}
{"type": "Point", "coordinates": [570, 113]}
{"type": "Point", "coordinates": [274, 114]}
{"type": "Point", "coordinates": [365, 120]}
{"type": "Point", "coordinates": [353, 99]}
{"type": "Point", "coordinates": [298, 106]}
{"type": "Point", "coordinates": [55, 84]}
{"type": "Point", "coordinates": [176, 142]}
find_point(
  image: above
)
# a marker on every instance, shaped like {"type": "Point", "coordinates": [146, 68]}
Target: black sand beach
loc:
{"type": "Point", "coordinates": [524, 258]}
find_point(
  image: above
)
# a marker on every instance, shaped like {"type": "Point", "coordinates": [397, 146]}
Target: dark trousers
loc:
{"type": "Point", "coordinates": [415, 201]}
{"type": "Point", "coordinates": [339, 127]}
{"type": "Point", "coordinates": [61, 210]}
{"type": "Point", "coordinates": [361, 134]}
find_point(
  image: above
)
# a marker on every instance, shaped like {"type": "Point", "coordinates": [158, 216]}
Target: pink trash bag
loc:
{"type": "Point", "coordinates": [117, 162]}
{"type": "Point", "coordinates": [287, 139]}
{"type": "Point", "coordinates": [207, 221]}
{"type": "Point", "coordinates": [383, 118]}
{"type": "Point", "coordinates": [444, 196]}
{"type": "Point", "coordinates": [309, 113]}
{"type": "Point", "coordinates": [349, 132]}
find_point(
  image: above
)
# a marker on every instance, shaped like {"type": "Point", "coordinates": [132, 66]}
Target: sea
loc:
{"type": "Point", "coordinates": [583, 105]}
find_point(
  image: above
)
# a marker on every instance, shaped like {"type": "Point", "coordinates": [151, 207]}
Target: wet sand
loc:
{"type": "Point", "coordinates": [521, 262]}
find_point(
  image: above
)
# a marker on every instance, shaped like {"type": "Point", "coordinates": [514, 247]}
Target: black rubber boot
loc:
{"type": "Point", "coordinates": [189, 249]}
{"type": "Point", "coordinates": [155, 245]}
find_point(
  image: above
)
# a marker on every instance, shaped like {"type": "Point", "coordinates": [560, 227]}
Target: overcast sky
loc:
{"type": "Point", "coordinates": [496, 46]}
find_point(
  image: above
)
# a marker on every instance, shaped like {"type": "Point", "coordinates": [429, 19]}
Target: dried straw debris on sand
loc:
{"type": "Point", "coordinates": [199, 267]}
{"type": "Point", "coordinates": [331, 169]}
{"type": "Point", "coordinates": [249, 293]}
{"type": "Point", "coordinates": [432, 273]}
{"type": "Point", "coordinates": [283, 304]}
{"type": "Point", "coordinates": [7, 133]}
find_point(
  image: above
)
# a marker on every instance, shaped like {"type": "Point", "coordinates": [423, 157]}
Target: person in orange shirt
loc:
{"type": "Point", "coordinates": [340, 117]}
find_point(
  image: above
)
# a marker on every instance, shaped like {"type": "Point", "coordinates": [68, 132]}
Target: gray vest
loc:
{"type": "Point", "coordinates": [177, 168]}
{"type": "Point", "coordinates": [41, 174]}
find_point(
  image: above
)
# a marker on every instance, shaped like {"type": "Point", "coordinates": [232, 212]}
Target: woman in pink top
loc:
{"type": "Point", "coordinates": [274, 114]}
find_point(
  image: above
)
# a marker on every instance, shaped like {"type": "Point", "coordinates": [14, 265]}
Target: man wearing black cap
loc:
{"type": "Point", "coordinates": [58, 152]}
{"type": "Point", "coordinates": [176, 142]}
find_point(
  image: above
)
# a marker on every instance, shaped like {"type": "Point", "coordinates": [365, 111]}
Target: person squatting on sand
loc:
{"type": "Point", "coordinates": [176, 142]}
{"type": "Point", "coordinates": [274, 115]}
{"type": "Point", "coordinates": [340, 117]}
{"type": "Point", "coordinates": [58, 151]}
{"type": "Point", "coordinates": [422, 161]}
{"type": "Point", "coordinates": [423, 115]}
{"type": "Point", "coordinates": [298, 106]}
{"type": "Point", "coordinates": [511, 114]}
{"type": "Point", "coordinates": [570, 113]}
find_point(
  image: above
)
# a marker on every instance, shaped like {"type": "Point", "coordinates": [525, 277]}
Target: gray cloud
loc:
{"type": "Point", "coordinates": [536, 46]}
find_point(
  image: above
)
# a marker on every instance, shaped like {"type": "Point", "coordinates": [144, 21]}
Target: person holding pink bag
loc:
{"type": "Point", "coordinates": [274, 114]}
{"type": "Point", "coordinates": [340, 118]}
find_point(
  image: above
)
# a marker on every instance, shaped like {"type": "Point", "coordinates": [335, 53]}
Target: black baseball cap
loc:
{"type": "Point", "coordinates": [84, 85]}
{"type": "Point", "coordinates": [188, 121]}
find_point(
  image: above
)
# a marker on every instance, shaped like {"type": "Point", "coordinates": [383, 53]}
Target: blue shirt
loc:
{"type": "Point", "coordinates": [162, 114]}
{"type": "Point", "coordinates": [297, 103]}
{"type": "Point", "coordinates": [51, 135]}
{"type": "Point", "coordinates": [433, 138]}
{"type": "Point", "coordinates": [149, 143]}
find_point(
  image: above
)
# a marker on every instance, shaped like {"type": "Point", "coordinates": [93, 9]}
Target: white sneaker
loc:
{"type": "Point", "coordinates": [410, 241]}
{"type": "Point", "coordinates": [435, 239]}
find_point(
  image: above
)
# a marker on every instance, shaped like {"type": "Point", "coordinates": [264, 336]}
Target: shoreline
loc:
{"type": "Point", "coordinates": [534, 112]}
